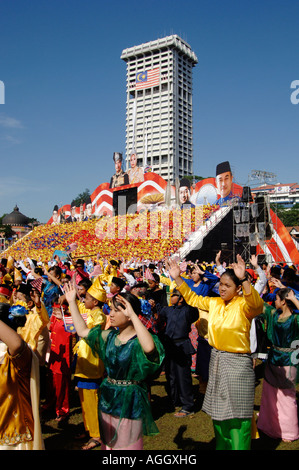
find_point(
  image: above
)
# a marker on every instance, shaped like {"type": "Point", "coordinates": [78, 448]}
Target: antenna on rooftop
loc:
{"type": "Point", "coordinates": [262, 176]}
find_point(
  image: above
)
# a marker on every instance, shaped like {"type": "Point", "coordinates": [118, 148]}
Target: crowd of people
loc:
{"type": "Point", "coordinates": [107, 327]}
{"type": "Point", "coordinates": [132, 235]}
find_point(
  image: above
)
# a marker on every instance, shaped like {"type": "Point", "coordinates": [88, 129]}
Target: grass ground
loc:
{"type": "Point", "coordinates": [193, 433]}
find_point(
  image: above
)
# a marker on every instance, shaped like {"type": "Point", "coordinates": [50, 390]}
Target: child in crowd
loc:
{"type": "Point", "coordinates": [59, 364]}
{"type": "Point", "coordinates": [155, 292]}
{"type": "Point", "coordinates": [52, 287]}
{"type": "Point", "coordinates": [37, 319]}
{"type": "Point", "coordinates": [83, 287]}
{"type": "Point", "coordinates": [178, 351]}
{"type": "Point", "coordinates": [130, 353]}
{"type": "Point", "coordinates": [89, 368]}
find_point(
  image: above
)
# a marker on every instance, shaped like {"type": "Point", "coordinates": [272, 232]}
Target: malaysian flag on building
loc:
{"type": "Point", "coordinates": [147, 79]}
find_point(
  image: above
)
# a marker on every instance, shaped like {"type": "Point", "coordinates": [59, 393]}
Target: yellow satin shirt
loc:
{"type": "Point", "coordinates": [37, 319]}
{"type": "Point", "coordinates": [16, 418]}
{"type": "Point", "coordinates": [228, 324]}
{"type": "Point", "coordinates": [89, 366]}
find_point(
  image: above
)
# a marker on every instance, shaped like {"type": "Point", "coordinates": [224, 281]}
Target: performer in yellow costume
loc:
{"type": "Point", "coordinates": [229, 397]}
{"type": "Point", "coordinates": [19, 384]}
{"type": "Point", "coordinates": [89, 368]}
{"type": "Point", "coordinates": [37, 319]}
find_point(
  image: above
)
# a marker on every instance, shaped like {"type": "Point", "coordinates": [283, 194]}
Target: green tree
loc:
{"type": "Point", "coordinates": [289, 217]}
{"type": "Point", "coordinates": [5, 228]}
{"type": "Point", "coordinates": [196, 177]}
{"type": "Point", "coordinates": [82, 198]}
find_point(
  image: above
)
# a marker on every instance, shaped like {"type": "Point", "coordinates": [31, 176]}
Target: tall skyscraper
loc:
{"type": "Point", "coordinates": [159, 116]}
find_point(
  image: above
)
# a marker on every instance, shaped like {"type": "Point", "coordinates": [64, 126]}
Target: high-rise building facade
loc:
{"type": "Point", "coordinates": [159, 115]}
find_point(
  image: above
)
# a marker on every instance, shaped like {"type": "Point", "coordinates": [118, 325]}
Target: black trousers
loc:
{"type": "Point", "coordinates": [179, 377]}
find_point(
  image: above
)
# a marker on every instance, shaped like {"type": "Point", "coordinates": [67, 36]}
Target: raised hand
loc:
{"type": "Point", "coordinates": [239, 267]}
{"type": "Point", "coordinates": [174, 269]}
{"type": "Point", "coordinates": [70, 291]}
{"type": "Point", "coordinates": [127, 307]}
{"type": "Point", "coordinates": [253, 261]}
{"type": "Point", "coordinates": [217, 259]}
{"type": "Point", "coordinates": [291, 296]}
{"type": "Point", "coordinates": [277, 283]}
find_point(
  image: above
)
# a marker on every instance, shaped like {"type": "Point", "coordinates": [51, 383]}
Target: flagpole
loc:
{"type": "Point", "coordinates": [134, 129]}
{"type": "Point", "coordinates": [145, 147]}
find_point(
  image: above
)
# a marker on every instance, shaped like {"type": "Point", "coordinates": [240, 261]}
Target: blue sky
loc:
{"type": "Point", "coordinates": [65, 99]}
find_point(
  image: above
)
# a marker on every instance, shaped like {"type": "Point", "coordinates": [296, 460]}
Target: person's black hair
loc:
{"type": "Point", "coordinates": [192, 269]}
{"type": "Point", "coordinates": [156, 277]}
{"type": "Point", "coordinates": [289, 275]}
{"type": "Point", "coordinates": [13, 322]}
{"type": "Point", "coordinates": [56, 269]}
{"type": "Point", "coordinates": [80, 261]}
{"type": "Point", "coordinates": [25, 289]}
{"type": "Point", "coordinates": [132, 299]}
{"type": "Point", "coordinates": [275, 272]}
{"type": "Point", "coordinates": [39, 271]}
{"type": "Point", "coordinates": [141, 284]}
{"type": "Point", "coordinates": [282, 294]}
{"type": "Point", "coordinates": [119, 282]}
{"type": "Point", "coordinates": [55, 300]}
{"type": "Point", "coordinates": [231, 273]}
{"type": "Point", "coordinates": [87, 283]}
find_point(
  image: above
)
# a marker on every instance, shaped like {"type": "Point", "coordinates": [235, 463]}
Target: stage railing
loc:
{"type": "Point", "coordinates": [196, 238]}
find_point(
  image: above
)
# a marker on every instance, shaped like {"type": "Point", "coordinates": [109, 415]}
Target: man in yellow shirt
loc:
{"type": "Point", "coordinates": [37, 319]}
{"type": "Point", "coordinates": [90, 369]}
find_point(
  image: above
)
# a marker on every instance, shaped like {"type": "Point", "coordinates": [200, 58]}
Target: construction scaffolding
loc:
{"type": "Point", "coordinates": [254, 231]}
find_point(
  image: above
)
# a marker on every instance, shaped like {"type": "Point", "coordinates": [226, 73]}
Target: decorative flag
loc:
{"type": "Point", "coordinates": [148, 275]}
{"type": "Point", "coordinates": [72, 247]}
{"type": "Point", "coordinates": [147, 79]}
{"type": "Point", "coordinates": [68, 322]}
{"type": "Point", "coordinates": [37, 284]}
{"type": "Point", "coordinates": [97, 270]}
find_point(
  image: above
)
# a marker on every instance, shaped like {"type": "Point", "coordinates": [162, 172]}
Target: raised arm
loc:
{"type": "Point", "coordinates": [145, 338]}
{"type": "Point", "coordinates": [13, 341]}
{"type": "Point", "coordinates": [291, 296]}
{"type": "Point", "coordinates": [254, 302]}
{"type": "Point", "coordinates": [240, 271]}
{"type": "Point", "coordinates": [71, 295]}
{"type": "Point", "coordinates": [189, 295]}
